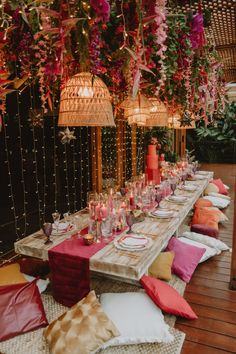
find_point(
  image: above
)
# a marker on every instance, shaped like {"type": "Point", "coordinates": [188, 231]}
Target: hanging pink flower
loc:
{"type": "Point", "coordinates": [197, 32]}
{"type": "Point", "coordinates": [102, 9]}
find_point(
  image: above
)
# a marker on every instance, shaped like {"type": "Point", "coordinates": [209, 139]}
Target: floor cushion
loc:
{"type": "Point", "coordinates": [161, 267]}
{"type": "Point", "coordinates": [206, 240]}
{"type": "Point", "coordinates": [166, 297]}
{"type": "Point", "coordinates": [21, 309]}
{"type": "Point", "coordinates": [137, 318]}
{"type": "Point", "coordinates": [11, 274]}
{"type": "Point", "coordinates": [220, 203]}
{"type": "Point", "coordinates": [84, 328]}
{"type": "Point", "coordinates": [210, 251]}
{"type": "Point", "coordinates": [205, 230]}
{"type": "Point", "coordinates": [218, 182]}
{"type": "Point", "coordinates": [206, 217]}
{"type": "Point", "coordinates": [186, 258]}
{"type": "Point", "coordinates": [211, 188]}
{"type": "Point", "coordinates": [222, 217]}
{"type": "Point", "coordinates": [203, 203]}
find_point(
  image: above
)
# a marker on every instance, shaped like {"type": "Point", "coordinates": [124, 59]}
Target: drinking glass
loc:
{"type": "Point", "coordinates": [173, 185]}
{"type": "Point", "coordinates": [56, 218]}
{"type": "Point", "coordinates": [158, 197]}
{"type": "Point", "coordinates": [47, 230]}
{"type": "Point", "coordinates": [129, 220]}
{"type": "Point", "coordinates": [183, 177]}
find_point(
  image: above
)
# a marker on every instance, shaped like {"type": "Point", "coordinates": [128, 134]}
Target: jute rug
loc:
{"type": "Point", "coordinates": [33, 342]}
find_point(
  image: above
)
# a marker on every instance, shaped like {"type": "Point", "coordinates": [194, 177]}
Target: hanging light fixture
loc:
{"type": "Point", "coordinates": [137, 109]}
{"type": "Point", "coordinates": [158, 114]}
{"type": "Point", "coordinates": [85, 101]}
{"type": "Point", "coordinates": [182, 121]}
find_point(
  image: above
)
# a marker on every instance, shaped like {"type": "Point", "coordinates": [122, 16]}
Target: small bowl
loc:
{"type": "Point", "coordinates": [88, 239]}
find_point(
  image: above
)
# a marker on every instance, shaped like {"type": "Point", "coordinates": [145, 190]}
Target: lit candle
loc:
{"type": "Point", "coordinates": [131, 201]}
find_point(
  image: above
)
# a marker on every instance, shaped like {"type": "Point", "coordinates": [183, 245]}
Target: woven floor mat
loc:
{"type": "Point", "coordinates": [33, 342]}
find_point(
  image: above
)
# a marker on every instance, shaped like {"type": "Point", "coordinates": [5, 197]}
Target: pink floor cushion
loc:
{"type": "Point", "coordinates": [167, 298]}
{"type": "Point", "coordinates": [218, 182]}
{"type": "Point", "coordinates": [186, 258]}
{"type": "Point", "coordinates": [21, 309]}
{"type": "Point", "coordinates": [205, 230]}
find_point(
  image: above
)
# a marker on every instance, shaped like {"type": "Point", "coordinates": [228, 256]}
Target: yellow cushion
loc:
{"type": "Point", "coordinates": [84, 328]}
{"type": "Point", "coordinates": [211, 188]}
{"type": "Point", "coordinates": [11, 274]}
{"type": "Point", "coordinates": [161, 267]}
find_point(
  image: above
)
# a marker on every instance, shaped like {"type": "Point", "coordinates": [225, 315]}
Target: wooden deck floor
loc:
{"type": "Point", "coordinates": [208, 293]}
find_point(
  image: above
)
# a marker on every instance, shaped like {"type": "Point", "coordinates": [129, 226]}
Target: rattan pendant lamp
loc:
{"type": "Point", "coordinates": [158, 114]}
{"type": "Point", "coordinates": [85, 101]}
{"type": "Point", "coordinates": [136, 109]}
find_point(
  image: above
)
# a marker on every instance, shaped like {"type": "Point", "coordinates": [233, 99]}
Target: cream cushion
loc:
{"type": "Point", "coordinates": [218, 202]}
{"type": "Point", "coordinates": [211, 188]}
{"type": "Point", "coordinates": [84, 328]}
{"type": "Point", "coordinates": [206, 240]}
{"type": "Point", "coordinates": [137, 318]}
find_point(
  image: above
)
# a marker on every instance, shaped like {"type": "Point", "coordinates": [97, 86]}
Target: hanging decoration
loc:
{"type": "Point", "coordinates": [136, 110]}
{"type": "Point", "coordinates": [158, 114]}
{"type": "Point", "coordinates": [36, 117]}
{"type": "Point", "coordinates": [186, 119]}
{"type": "Point", "coordinates": [66, 136]}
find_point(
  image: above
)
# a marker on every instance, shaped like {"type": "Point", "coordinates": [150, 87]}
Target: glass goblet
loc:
{"type": "Point", "coordinates": [47, 230]}
{"type": "Point", "coordinates": [130, 221]}
{"type": "Point", "coordinates": [173, 186]}
{"type": "Point", "coordinates": [158, 197]}
{"type": "Point", "coordinates": [56, 218]}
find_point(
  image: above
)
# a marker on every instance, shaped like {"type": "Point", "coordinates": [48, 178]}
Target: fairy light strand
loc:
{"type": "Point", "coordinates": [75, 175]}
{"type": "Point", "coordinates": [65, 160]}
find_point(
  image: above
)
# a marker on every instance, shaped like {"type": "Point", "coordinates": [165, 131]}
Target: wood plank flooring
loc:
{"type": "Point", "coordinates": [214, 332]}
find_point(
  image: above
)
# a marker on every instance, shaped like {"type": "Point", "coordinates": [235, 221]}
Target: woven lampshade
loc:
{"type": "Point", "coordinates": [158, 114]}
{"type": "Point", "coordinates": [174, 123]}
{"type": "Point", "coordinates": [85, 101]}
{"type": "Point", "coordinates": [136, 109]}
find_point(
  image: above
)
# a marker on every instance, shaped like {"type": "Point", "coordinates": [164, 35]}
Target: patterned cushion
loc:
{"type": "Point", "coordinates": [84, 328]}
{"type": "Point", "coordinates": [161, 267]}
{"type": "Point", "coordinates": [11, 274]}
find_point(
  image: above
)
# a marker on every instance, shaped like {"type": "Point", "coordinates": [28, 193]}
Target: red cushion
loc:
{"type": "Point", "coordinates": [166, 297]}
{"type": "Point", "coordinates": [218, 182]}
{"type": "Point", "coordinates": [205, 230]}
{"type": "Point", "coordinates": [21, 309]}
{"type": "Point", "coordinates": [186, 258]}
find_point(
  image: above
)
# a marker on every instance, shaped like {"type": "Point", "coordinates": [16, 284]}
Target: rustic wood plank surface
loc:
{"type": "Point", "coordinates": [208, 291]}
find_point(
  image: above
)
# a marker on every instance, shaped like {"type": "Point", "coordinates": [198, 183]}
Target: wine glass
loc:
{"type": "Point", "coordinates": [56, 218]}
{"type": "Point", "coordinates": [47, 230]}
{"type": "Point", "coordinates": [173, 186]}
{"type": "Point", "coordinates": [158, 197]}
{"type": "Point", "coordinates": [130, 220]}
{"type": "Point", "coordinates": [123, 191]}
{"type": "Point", "coordinates": [183, 177]}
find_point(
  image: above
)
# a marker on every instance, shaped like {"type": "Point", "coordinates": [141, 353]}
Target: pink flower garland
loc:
{"type": "Point", "coordinates": [161, 35]}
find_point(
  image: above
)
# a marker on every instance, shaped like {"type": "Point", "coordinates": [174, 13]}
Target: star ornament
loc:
{"type": "Point", "coordinates": [66, 136]}
{"type": "Point", "coordinates": [186, 119]}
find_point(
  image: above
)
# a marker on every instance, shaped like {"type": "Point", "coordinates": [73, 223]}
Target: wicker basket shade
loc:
{"type": "Point", "coordinates": [158, 114]}
{"type": "Point", "coordinates": [85, 101]}
{"type": "Point", "coordinates": [136, 109]}
{"type": "Point", "coordinates": [174, 123]}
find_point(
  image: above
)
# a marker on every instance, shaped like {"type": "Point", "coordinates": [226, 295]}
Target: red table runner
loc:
{"type": "Point", "coordinates": [69, 264]}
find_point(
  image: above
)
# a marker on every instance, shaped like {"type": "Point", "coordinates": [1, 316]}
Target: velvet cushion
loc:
{"type": "Point", "coordinates": [203, 203]}
{"type": "Point", "coordinates": [21, 309]}
{"type": "Point", "coordinates": [186, 258]}
{"type": "Point", "coordinates": [33, 266]}
{"type": "Point", "coordinates": [11, 274]}
{"type": "Point", "coordinates": [161, 267]}
{"type": "Point", "coordinates": [218, 182]}
{"type": "Point", "coordinates": [205, 230]}
{"type": "Point", "coordinates": [84, 328]}
{"type": "Point", "coordinates": [206, 217]}
{"type": "Point", "coordinates": [166, 297]}
{"type": "Point", "coordinates": [211, 188]}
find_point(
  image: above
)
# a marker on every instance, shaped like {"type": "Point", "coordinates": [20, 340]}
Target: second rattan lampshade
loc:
{"type": "Point", "coordinates": [136, 109]}
{"type": "Point", "coordinates": [158, 114]}
{"type": "Point", "coordinates": [85, 101]}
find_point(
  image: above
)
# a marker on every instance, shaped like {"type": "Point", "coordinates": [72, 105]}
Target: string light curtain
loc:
{"type": "Point", "coordinates": [85, 101]}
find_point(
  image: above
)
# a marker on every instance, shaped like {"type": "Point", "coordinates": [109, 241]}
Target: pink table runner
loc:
{"type": "Point", "coordinates": [69, 264]}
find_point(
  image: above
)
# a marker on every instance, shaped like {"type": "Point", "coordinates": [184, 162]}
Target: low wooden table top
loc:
{"type": "Point", "coordinates": [121, 263]}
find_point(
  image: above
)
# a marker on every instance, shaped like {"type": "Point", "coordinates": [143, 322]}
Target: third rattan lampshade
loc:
{"type": "Point", "coordinates": [85, 101]}
{"type": "Point", "coordinates": [158, 114]}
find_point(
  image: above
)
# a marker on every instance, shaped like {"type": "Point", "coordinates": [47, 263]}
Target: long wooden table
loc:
{"type": "Point", "coordinates": [121, 263]}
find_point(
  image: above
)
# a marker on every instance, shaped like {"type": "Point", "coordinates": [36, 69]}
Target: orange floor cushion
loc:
{"type": "Point", "coordinates": [203, 203]}
{"type": "Point", "coordinates": [206, 217]}
{"type": "Point", "coordinates": [11, 274]}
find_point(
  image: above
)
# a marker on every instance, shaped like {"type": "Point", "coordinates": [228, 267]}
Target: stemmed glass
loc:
{"type": "Point", "coordinates": [173, 185]}
{"type": "Point", "coordinates": [47, 230]}
{"type": "Point", "coordinates": [129, 220]}
{"type": "Point", "coordinates": [183, 177]}
{"type": "Point", "coordinates": [56, 218]}
{"type": "Point", "coordinates": [158, 197]}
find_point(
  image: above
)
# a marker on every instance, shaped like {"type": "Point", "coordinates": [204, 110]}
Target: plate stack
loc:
{"type": "Point", "coordinates": [133, 242]}
{"type": "Point", "coordinates": [164, 213]}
